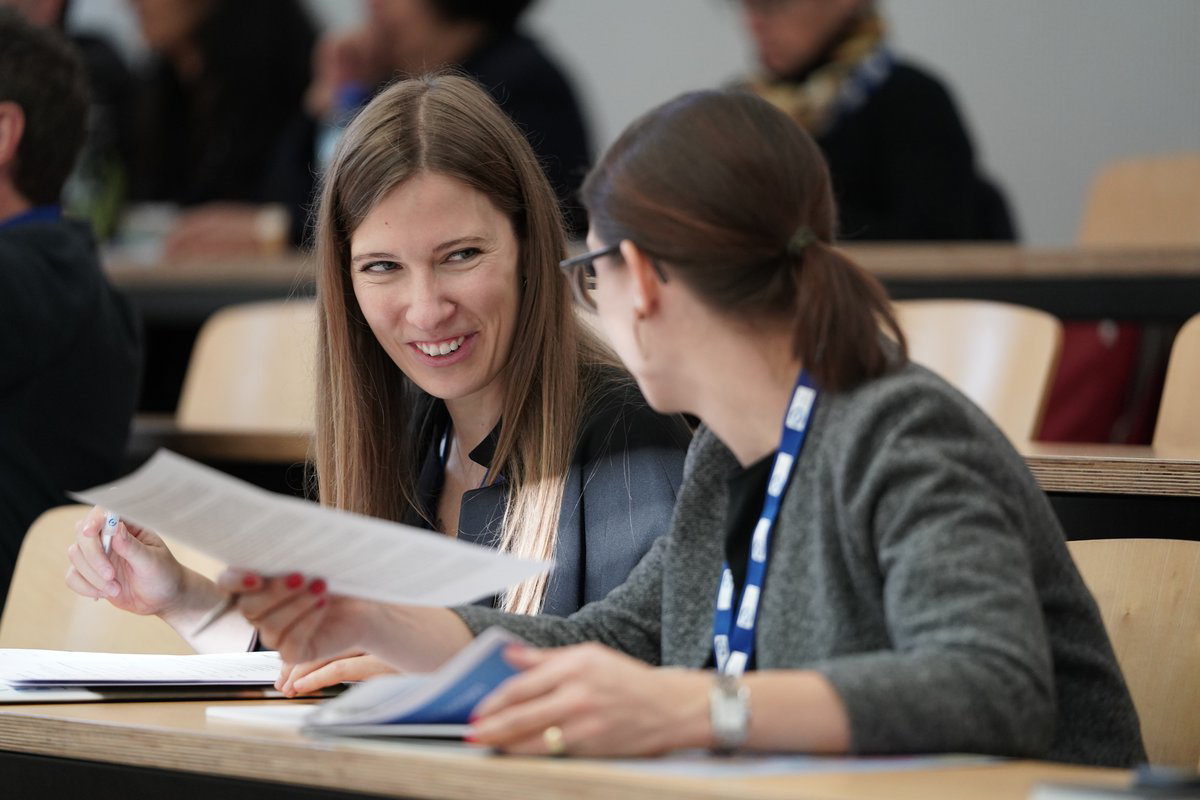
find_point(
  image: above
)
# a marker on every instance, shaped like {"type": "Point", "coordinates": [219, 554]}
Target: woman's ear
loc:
{"type": "Point", "coordinates": [12, 127]}
{"type": "Point", "coordinates": [646, 285]}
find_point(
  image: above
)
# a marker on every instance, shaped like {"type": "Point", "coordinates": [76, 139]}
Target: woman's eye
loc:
{"type": "Point", "coordinates": [379, 267]}
{"type": "Point", "coordinates": [466, 254]}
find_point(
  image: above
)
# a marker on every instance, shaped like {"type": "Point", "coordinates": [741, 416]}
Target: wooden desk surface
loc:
{"type": "Point", "coordinates": [1114, 469]}
{"type": "Point", "coordinates": [932, 261]}
{"type": "Point", "coordinates": [927, 260]}
{"type": "Point", "coordinates": [152, 431]}
{"type": "Point", "coordinates": [285, 271]}
{"type": "Point", "coordinates": [186, 293]}
{"type": "Point", "coordinates": [1149, 285]}
{"type": "Point", "coordinates": [1084, 469]}
{"type": "Point", "coordinates": [177, 736]}
{"type": "Point", "coordinates": [169, 293]}
{"type": "Point", "coordinates": [1124, 283]}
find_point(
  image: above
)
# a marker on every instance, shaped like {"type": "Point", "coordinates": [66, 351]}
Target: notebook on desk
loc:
{"type": "Point", "coordinates": [63, 669]}
{"type": "Point", "coordinates": [61, 676]}
{"type": "Point", "coordinates": [435, 704]}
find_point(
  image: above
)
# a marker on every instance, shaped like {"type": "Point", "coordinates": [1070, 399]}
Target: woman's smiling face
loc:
{"type": "Point", "coordinates": [434, 269]}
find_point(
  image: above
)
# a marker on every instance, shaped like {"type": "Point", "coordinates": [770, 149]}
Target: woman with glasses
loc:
{"type": "Point", "coordinates": [858, 560]}
{"type": "Point", "coordinates": [457, 388]}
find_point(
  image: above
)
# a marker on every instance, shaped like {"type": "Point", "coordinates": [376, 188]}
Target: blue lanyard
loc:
{"type": "Point", "coordinates": [733, 644]}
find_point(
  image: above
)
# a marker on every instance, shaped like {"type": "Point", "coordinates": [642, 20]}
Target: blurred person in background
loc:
{"type": "Point", "coordinates": [97, 188]}
{"type": "Point", "coordinates": [219, 109]}
{"type": "Point", "coordinates": [70, 353]}
{"type": "Point", "coordinates": [481, 39]}
{"type": "Point", "coordinates": [902, 163]}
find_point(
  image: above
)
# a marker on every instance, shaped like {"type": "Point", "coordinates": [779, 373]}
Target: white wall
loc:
{"type": "Point", "coordinates": [1055, 88]}
{"type": "Point", "coordinates": [1051, 89]}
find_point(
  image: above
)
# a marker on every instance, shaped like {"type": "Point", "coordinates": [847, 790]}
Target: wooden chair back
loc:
{"type": "Point", "coordinates": [1001, 356]}
{"type": "Point", "coordinates": [41, 612]}
{"type": "Point", "coordinates": [1152, 201]}
{"type": "Point", "coordinates": [1149, 595]}
{"type": "Point", "coordinates": [1178, 425]}
{"type": "Point", "coordinates": [253, 369]}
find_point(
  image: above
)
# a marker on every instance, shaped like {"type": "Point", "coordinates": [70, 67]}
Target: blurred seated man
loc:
{"type": "Point", "coordinates": [902, 163]}
{"type": "Point", "coordinates": [220, 108]}
{"type": "Point", "coordinates": [481, 39]}
{"type": "Point", "coordinates": [96, 189]}
{"type": "Point", "coordinates": [70, 351]}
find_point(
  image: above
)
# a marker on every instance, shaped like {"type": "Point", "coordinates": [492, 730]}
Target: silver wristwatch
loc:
{"type": "Point", "coordinates": [729, 712]}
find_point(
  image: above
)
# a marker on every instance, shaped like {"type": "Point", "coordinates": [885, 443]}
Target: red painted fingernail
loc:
{"type": "Point", "coordinates": [317, 586]}
{"type": "Point", "coordinates": [471, 719]}
{"type": "Point", "coordinates": [470, 738]}
{"type": "Point", "coordinates": [293, 581]}
{"type": "Point", "coordinates": [249, 581]}
{"type": "Point", "coordinates": [321, 601]}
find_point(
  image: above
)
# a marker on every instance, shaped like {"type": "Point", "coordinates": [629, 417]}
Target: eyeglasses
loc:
{"type": "Point", "coordinates": [580, 271]}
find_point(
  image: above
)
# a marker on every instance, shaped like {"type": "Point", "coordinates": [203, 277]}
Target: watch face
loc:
{"type": "Point", "coordinates": [729, 707]}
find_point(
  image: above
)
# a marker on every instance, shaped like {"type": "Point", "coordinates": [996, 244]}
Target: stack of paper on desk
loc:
{"type": "Point", "coordinates": [250, 528]}
{"type": "Point", "coordinates": [60, 668]}
{"type": "Point", "coordinates": [434, 704]}
{"type": "Point", "coordinates": [43, 676]}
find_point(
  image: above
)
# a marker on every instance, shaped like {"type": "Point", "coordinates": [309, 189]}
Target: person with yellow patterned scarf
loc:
{"type": "Point", "coordinates": [902, 162]}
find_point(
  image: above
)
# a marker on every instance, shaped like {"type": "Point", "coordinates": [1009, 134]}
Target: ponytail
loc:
{"type": "Point", "coordinates": [839, 311]}
{"type": "Point", "coordinates": [735, 199]}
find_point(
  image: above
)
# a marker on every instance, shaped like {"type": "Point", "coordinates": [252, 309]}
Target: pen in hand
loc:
{"type": "Point", "coordinates": [216, 613]}
{"type": "Point", "coordinates": [106, 533]}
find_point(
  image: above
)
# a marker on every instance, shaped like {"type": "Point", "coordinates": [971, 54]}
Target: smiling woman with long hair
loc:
{"type": "Point", "coordinates": [424, 151]}
{"type": "Point", "coordinates": [457, 388]}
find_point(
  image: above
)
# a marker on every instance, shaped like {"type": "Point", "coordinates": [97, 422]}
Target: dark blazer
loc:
{"type": "Point", "coordinates": [619, 495]}
{"type": "Point", "coordinates": [538, 96]}
{"type": "Point", "coordinates": [70, 358]}
{"type": "Point", "coordinates": [903, 167]}
{"type": "Point", "coordinates": [237, 132]}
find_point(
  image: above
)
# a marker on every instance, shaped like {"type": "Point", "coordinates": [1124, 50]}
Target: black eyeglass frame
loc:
{"type": "Point", "coordinates": [580, 272]}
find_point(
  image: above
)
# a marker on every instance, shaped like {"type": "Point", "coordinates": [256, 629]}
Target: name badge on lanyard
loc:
{"type": "Point", "coordinates": [733, 636]}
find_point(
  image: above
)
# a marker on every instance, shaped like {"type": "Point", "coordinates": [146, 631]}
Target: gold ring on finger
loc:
{"type": "Point", "coordinates": [556, 745]}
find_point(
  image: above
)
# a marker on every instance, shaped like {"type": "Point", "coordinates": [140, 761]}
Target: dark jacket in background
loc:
{"type": "Point", "coordinates": [536, 95]}
{"type": "Point", "coordinates": [903, 167]}
{"type": "Point", "coordinates": [70, 357]}
{"type": "Point", "coordinates": [226, 136]}
{"type": "Point", "coordinates": [619, 494]}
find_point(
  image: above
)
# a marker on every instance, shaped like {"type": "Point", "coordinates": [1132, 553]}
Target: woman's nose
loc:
{"type": "Point", "coordinates": [428, 306]}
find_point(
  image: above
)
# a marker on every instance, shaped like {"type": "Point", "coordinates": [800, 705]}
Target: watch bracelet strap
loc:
{"type": "Point", "coordinates": [729, 712]}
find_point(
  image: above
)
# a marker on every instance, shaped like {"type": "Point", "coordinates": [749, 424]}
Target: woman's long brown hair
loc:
{"type": "Point", "coordinates": [367, 455]}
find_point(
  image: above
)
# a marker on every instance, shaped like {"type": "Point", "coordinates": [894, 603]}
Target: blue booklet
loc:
{"type": "Point", "coordinates": [434, 704]}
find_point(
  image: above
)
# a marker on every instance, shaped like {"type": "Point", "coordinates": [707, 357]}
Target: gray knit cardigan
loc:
{"type": "Point", "coordinates": [915, 563]}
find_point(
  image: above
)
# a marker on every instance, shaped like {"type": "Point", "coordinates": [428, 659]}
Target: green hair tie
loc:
{"type": "Point", "coordinates": [800, 240]}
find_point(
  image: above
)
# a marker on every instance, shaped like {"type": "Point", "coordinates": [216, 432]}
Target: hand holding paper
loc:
{"type": "Point", "coordinates": [296, 617]}
{"type": "Point", "coordinates": [360, 559]}
{"type": "Point", "coordinates": [270, 534]}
